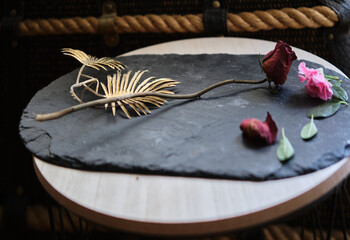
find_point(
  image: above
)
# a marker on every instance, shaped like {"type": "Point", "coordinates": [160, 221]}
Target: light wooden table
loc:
{"type": "Point", "coordinates": [178, 206]}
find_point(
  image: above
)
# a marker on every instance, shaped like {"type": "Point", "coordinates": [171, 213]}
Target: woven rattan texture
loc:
{"type": "Point", "coordinates": [84, 8]}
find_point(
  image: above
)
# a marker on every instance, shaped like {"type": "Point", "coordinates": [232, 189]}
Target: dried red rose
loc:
{"type": "Point", "coordinates": [276, 63]}
{"type": "Point", "coordinates": [256, 130]}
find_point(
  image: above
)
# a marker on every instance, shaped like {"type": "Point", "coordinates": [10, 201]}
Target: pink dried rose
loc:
{"type": "Point", "coordinates": [276, 64]}
{"type": "Point", "coordinates": [317, 86]}
{"type": "Point", "coordinates": [256, 130]}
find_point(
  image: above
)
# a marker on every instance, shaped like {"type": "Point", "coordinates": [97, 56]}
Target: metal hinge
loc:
{"type": "Point", "coordinates": [106, 23]}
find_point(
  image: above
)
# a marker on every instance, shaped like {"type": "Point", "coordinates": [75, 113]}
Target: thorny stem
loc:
{"type": "Point", "coordinates": [50, 116]}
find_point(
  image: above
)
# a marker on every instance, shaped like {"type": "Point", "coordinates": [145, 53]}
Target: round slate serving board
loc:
{"type": "Point", "coordinates": [200, 137]}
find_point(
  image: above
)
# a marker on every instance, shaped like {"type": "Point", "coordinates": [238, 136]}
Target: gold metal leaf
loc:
{"type": "Point", "coordinates": [119, 85]}
{"type": "Point", "coordinates": [92, 61]}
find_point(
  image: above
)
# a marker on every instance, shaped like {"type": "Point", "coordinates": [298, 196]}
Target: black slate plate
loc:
{"type": "Point", "coordinates": [199, 138]}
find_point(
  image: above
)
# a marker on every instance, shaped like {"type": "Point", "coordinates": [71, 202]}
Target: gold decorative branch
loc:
{"type": "Point", "coordinates": [118, 86]}
{"type": "Point", "coordinates": [122, 90]}
{"type": "Point", "coordinates": [140, 95]}
{"type": "Point", "coordinates": [92, 62]}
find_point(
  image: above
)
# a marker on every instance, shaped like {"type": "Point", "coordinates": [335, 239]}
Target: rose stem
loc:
{"type": "Point", "coordinates": [54, 115]}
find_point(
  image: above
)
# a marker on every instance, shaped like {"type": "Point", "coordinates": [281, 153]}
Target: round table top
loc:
{"type": "Point", "coordinates": [162, 205]}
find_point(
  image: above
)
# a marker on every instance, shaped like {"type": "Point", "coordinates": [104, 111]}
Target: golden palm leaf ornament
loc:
{"type": "Point", "coordinates": [87, 87]}
{"type": "Point", "coordinates": [120, 85]}
{"type": "Point", "coordinates": [92, 61]}
{"type": "Point", "coordinates": [125, 92]}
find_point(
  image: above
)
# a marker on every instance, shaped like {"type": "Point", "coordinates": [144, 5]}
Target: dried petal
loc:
{"type": "Point", "coordinates": [256, 130]}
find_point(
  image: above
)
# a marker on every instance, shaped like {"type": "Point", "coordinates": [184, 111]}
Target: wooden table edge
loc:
{"type": "Point", "coordinates": [199, 227]}
{"type": "Point", "coordinates": [203, 227]}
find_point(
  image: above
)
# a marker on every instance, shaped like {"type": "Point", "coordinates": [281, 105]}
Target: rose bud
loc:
{"type": "Point", "coordinates": [276, 63]}
{"type": "Point", "coordinates": [256, 130]}
{"type": "Point", "coordinates": [317, 86]}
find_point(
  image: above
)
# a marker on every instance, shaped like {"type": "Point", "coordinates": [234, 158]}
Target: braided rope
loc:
{"type": "Point", "coordinates": [75, 25]}
{"type": "Point", "coordinates": [319, 16]}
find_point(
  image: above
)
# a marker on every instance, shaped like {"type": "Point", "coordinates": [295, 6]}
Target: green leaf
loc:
{"type": "Point", "coordinates": [330, 77]}
{"type": "Point", "coordinates": [320, 70]}
{"type": "Point", "coordinates": [337, 83]}
{"type": "Point", "coordinates": [285, 149]}
{"type": "Point", "coordinates": [309, 130]}
{"type": "Point", "coordinates": [324, 110]}
{"type": "Point", "coordinates": [339, 92]}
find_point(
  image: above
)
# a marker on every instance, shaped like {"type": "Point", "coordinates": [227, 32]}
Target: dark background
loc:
{"type": "Point", "coordinates": [30, 63]}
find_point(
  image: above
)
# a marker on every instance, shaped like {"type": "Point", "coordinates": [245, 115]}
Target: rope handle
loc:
{"type": "Point", "coordinates": [302, 17]}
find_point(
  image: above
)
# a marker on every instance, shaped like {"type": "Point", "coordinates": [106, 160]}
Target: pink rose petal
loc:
{"type": "Point", "coordinates": [317, 86]}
